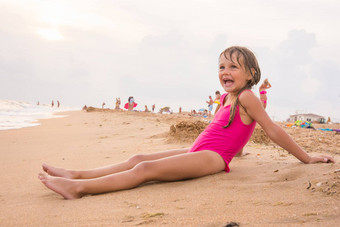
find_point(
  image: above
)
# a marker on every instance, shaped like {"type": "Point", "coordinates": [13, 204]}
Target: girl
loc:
{"type": "Point", "coordinates": [263, 93]}
{"type": "Point", "coordinates": [211, 152]}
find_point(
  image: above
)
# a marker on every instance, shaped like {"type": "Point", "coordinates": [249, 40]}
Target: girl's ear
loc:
{"type": "Point", "coordinates": [251, 74]}
{"type": "Point", "coordinates": [253, 71]}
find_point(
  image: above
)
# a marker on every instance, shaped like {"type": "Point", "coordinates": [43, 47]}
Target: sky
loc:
{"type": "Point", "coordinates": [165, 52]}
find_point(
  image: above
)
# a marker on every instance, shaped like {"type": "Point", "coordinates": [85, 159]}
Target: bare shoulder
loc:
{"type": "Point", "coordinates": [248, 97]}
{"type": "Point", "coordinates": [253, 105]}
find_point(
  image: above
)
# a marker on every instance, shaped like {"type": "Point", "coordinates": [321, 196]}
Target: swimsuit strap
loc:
{"type": "Point", "coordinates": [239, 103]}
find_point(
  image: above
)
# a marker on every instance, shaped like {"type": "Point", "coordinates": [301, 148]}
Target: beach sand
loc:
{"type": "Point", "coordinates": [268, 187]}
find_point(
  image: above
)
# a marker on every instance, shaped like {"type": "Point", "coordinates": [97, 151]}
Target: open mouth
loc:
{"type": "Point", "coordinates": [228, 82]}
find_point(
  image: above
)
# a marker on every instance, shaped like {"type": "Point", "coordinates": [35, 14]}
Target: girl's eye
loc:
{"type": "Point", "coordinates": [221, 67]}
{"type": "Point", "coordinates": [234, 66]}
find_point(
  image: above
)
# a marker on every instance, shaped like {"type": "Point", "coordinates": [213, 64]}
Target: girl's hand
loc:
{"type": "Point", "coordinates": [321, 158]}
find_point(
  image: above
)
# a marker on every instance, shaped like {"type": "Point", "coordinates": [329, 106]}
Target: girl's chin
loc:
{"type": "Point", "coordinates": [227, 89]}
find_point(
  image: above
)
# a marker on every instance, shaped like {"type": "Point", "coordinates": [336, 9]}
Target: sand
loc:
{"type": "Point", "coordinates": [268, 187]}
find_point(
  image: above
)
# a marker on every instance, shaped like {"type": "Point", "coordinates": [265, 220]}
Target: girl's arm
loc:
{"type": "Point", "coordinates": [269, 85]}
{"type": "Point", "coordinates": [256, 111]}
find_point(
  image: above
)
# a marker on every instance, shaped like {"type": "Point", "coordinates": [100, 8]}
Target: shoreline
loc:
{"type": "Point", "coordinates": [251, 194]}
{"type": "Point", "coordinates": [28, 116]}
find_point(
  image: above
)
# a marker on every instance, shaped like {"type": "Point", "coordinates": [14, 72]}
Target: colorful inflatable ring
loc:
{"type": "Point", "coordinates": [126, 106]}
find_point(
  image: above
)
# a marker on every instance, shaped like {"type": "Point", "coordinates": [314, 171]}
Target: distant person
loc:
{"type": "Point", "coordinates": [84, 108]}
{"type": "Point", "coordinates": [103, 104]}
{"type": "Point", "coordinates": [131, 103]}
{"type": "Point", "coordinates": [58, 103]}
{"type": "Point", "coordinates": [146, 109]}
{"type": "Point", "coordinates": [217, 100]}
{"type": "Point", "coordinates": [38, 103]}
{"type": "Point", "coordinates": [205, 113]}
{"type": "Point", "coordinates": [211, 152]}
{"type": "Point", "coordinates": [263, 93]}
{"type": "Point", "coordinates": [210, 103]}
{"type": "Point", "coordinates": [180, 110]}
{"type": "Point", "coordinates": [193, 113]}
{"type": "Point", "coordinates": [52, 104]}
{"type": "Point", "coordinates": [153, 107]}
{"type": "Point", "coordinates": [117, 104]}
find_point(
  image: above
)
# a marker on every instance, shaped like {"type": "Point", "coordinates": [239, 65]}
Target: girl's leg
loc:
{"type": "Point", "coordinates": [110, 169]}
{"type": "Point", "coordinates": [178, 167]}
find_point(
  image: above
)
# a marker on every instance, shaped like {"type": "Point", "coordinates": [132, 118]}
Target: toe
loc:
{"type": "Point", "coordinates": [42, 176]}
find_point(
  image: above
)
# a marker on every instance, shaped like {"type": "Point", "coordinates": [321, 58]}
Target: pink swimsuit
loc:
{"type": "Point", "coordinates": [225, 141]}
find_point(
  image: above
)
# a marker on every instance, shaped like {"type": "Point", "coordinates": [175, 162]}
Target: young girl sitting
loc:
{"type": "Point", "coordinates": [212, 151]}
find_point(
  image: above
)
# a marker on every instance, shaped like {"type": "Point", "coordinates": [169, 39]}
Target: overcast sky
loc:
{"type": "Point", "coordinates": [166, 52]}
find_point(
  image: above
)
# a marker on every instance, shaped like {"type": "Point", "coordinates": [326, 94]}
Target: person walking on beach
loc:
{"type": "Point", "coordinates": [52, 104]}
{"type": "Point", "coordinates": [263, 93]}
{"type": "Point", "coordinates": [210, 103]}
{"type": "Point", "coordinates": [211, 152]}
{"type": "Point", "coordinates": [58, 103]}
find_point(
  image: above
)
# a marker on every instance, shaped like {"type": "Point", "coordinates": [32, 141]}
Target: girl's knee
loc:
{"type": "Point", "coordinates": [143, 166]}
{"type": "Point", "coordinates": [145, 169]}
{"type": "Point", "coordinates": [136, 159]}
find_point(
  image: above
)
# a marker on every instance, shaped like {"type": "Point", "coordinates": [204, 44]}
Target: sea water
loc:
{"type": "Point", "coordinates": [17, 114]}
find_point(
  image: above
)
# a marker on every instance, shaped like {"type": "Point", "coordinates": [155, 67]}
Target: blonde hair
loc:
{"type": "Point", "coordinates": [265, 82]}
{"type": "Point", "coordinates": [248, 61]}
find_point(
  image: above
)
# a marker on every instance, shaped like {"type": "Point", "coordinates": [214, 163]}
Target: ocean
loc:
{"type": "Point", "coordinates": [17, 114]}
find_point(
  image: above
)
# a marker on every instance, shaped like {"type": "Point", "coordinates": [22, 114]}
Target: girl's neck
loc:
{"type": "Point", "coordinates": [232, 95]}
{"type": "Point", "coordinates": [230, 98]}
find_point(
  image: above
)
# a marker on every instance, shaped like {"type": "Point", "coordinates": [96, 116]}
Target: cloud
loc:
{"type": "Point", "coordinates": [310, 86]}
{"type": "Point", "coordinates": [301, 81]}
{"type": "Point", "coordinates": [165, 56]}
{"type": "Point", "coordinates": [50, 34]}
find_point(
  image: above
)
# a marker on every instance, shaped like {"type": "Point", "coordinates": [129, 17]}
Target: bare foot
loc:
{"type": "Point", "coordinates": [64, 187]}
{"type": "Point", "coordinates": [58, 172]}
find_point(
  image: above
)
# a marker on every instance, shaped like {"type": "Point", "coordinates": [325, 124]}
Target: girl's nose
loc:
{"type": "Point", "coordinates": [225, 71]}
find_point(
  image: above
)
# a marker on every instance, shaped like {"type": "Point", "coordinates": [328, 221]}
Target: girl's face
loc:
{"type": "Point", "coordinates": [233, 76]}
